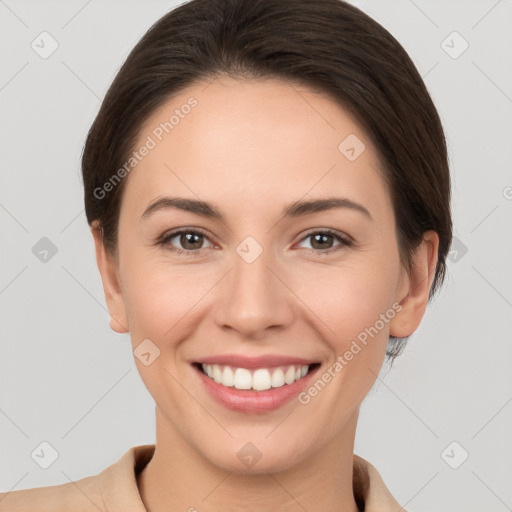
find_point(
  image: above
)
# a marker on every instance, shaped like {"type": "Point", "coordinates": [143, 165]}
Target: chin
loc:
{"type": "Point", "coordinates": [254, 458]}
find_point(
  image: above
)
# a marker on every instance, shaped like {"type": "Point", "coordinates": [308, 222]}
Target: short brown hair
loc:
{"type": "Point", "coordinates": [328, 45]}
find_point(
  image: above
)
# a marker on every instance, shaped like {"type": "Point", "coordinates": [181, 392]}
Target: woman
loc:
{"type": "Point", "coordinates": [268, 190]}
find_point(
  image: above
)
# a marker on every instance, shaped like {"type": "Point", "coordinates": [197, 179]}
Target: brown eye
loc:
{"type": "Point", "coordinates": [190, 241]}
{"type": "Point", "coordinates": [185, 241]}
{"type": "Point", "coordinates": [322, 241]}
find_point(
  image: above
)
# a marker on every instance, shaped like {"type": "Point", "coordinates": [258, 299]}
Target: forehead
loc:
{"type": "Point", "coordinates": [256, 142]}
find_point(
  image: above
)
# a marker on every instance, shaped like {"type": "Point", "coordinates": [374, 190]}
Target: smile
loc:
{"type": "Point", "coordinates": [259, 379]}
{"type": "Point", "coordinates": [258, 389]}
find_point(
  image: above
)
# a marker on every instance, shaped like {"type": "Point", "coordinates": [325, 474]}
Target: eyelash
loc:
{"type": "Point", "coordinates": [345, 241]}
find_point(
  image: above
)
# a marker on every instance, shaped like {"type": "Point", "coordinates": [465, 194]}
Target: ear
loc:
{"type": "Point", "coordinates": [413, 294]}
{"type": "Point", "coordinates": [111, 287]}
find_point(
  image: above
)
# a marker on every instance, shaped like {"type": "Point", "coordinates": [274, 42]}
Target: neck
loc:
{"type": "Point", "coordinates": [178, 478]}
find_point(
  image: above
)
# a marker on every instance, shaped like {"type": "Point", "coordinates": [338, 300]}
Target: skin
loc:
{"type": "Point", "coordinates": [252, 147]}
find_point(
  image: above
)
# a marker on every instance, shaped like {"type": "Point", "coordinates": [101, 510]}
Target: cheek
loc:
{"type": "Point", "coordinates": [353, 308]}
{"type": "Point", "coordinates": [162, 299]}
{"type": "Point", "coordinates": [349, 299]}
{"type": "Point", "coordinates": [162, 304]}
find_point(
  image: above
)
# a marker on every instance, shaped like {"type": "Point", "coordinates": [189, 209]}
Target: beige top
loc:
{"type": "Point", "coordinates": [115, 489]}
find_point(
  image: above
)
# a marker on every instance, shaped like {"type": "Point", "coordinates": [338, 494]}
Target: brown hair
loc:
{"type": "Point", "coordinates": [328, 45]}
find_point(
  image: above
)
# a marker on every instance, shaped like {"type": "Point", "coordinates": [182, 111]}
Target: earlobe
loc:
{"type": "Point", "coordinates": [415, 301]}
{"type": "Point", "coordinates": [111, 287]}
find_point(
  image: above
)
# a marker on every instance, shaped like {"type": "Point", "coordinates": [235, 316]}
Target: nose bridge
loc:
{"type": "Point", "coordinates": [251, 272]}
{"type": "Point", "coordinates": [253, 298]}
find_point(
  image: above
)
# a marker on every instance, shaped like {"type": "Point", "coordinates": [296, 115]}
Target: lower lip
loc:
{"type": "Point", "coordinates": [254, 402]}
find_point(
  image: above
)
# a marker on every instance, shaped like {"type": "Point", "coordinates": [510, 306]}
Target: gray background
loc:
{"type": "Point", "coordinates": [67, 379]}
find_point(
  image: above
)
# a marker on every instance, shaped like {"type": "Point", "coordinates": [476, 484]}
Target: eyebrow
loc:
{"type": "Point", "coordinates": [295, 209]}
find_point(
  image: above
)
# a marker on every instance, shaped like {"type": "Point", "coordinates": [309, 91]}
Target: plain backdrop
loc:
{"type": "Point", "coordinates": [68, 380]}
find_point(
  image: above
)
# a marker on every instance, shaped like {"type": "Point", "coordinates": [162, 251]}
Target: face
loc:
{"type": "Point", "coordinates": [265, 277]}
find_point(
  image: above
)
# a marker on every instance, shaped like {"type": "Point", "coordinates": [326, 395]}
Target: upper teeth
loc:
{"type": "Point", "coordinates": [259, 380]}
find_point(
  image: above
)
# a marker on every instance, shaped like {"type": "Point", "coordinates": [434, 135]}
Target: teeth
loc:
{"type": "Point", "coordinates": [289, 376]}
{"type": "Point", "coordinates": [259, 380]}
{"type": "Point", "coordinates": [217, 374]}
{"type": "Point", "coordinates": [278, 378]}
{"type": "Point", "coordinates": [228, 378]}
{"type": "Point", "coordinates": [242, 379]}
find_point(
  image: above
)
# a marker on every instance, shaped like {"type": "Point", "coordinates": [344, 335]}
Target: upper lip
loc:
{"type": "Point", "coordinates": [264, 361]}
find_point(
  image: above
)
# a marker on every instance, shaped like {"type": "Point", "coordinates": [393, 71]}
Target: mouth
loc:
{"type": "Point", "coordinates": [254, 390]}
{"type": "Point", "coordinates": [259, 379]}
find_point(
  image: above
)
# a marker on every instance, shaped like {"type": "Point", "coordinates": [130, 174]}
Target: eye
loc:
{"type": "Point", "coordinates": [190, 239]}
{"type": "Point", "coordinates": [322, 241]}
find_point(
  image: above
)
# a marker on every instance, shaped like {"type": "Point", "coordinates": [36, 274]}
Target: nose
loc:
{"type": "Point", "coordinates": [254, 298]}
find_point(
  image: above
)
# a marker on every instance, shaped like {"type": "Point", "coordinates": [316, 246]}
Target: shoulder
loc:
{"type": "Point", "coordinates": [370, 489]}
{"type": "Point", "coordinates": [114, 490]}
{"type": "Point", "coordinates": [83, 495]}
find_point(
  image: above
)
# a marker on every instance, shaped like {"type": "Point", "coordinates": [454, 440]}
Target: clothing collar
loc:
{"type": "Point", "coordinates": [120, 492]}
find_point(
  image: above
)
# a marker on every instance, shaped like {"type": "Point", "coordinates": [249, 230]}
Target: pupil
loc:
{"type": "Point", "coordinates": [188, 237]}
{"type": "Point", "coordinates": [322, 237]}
